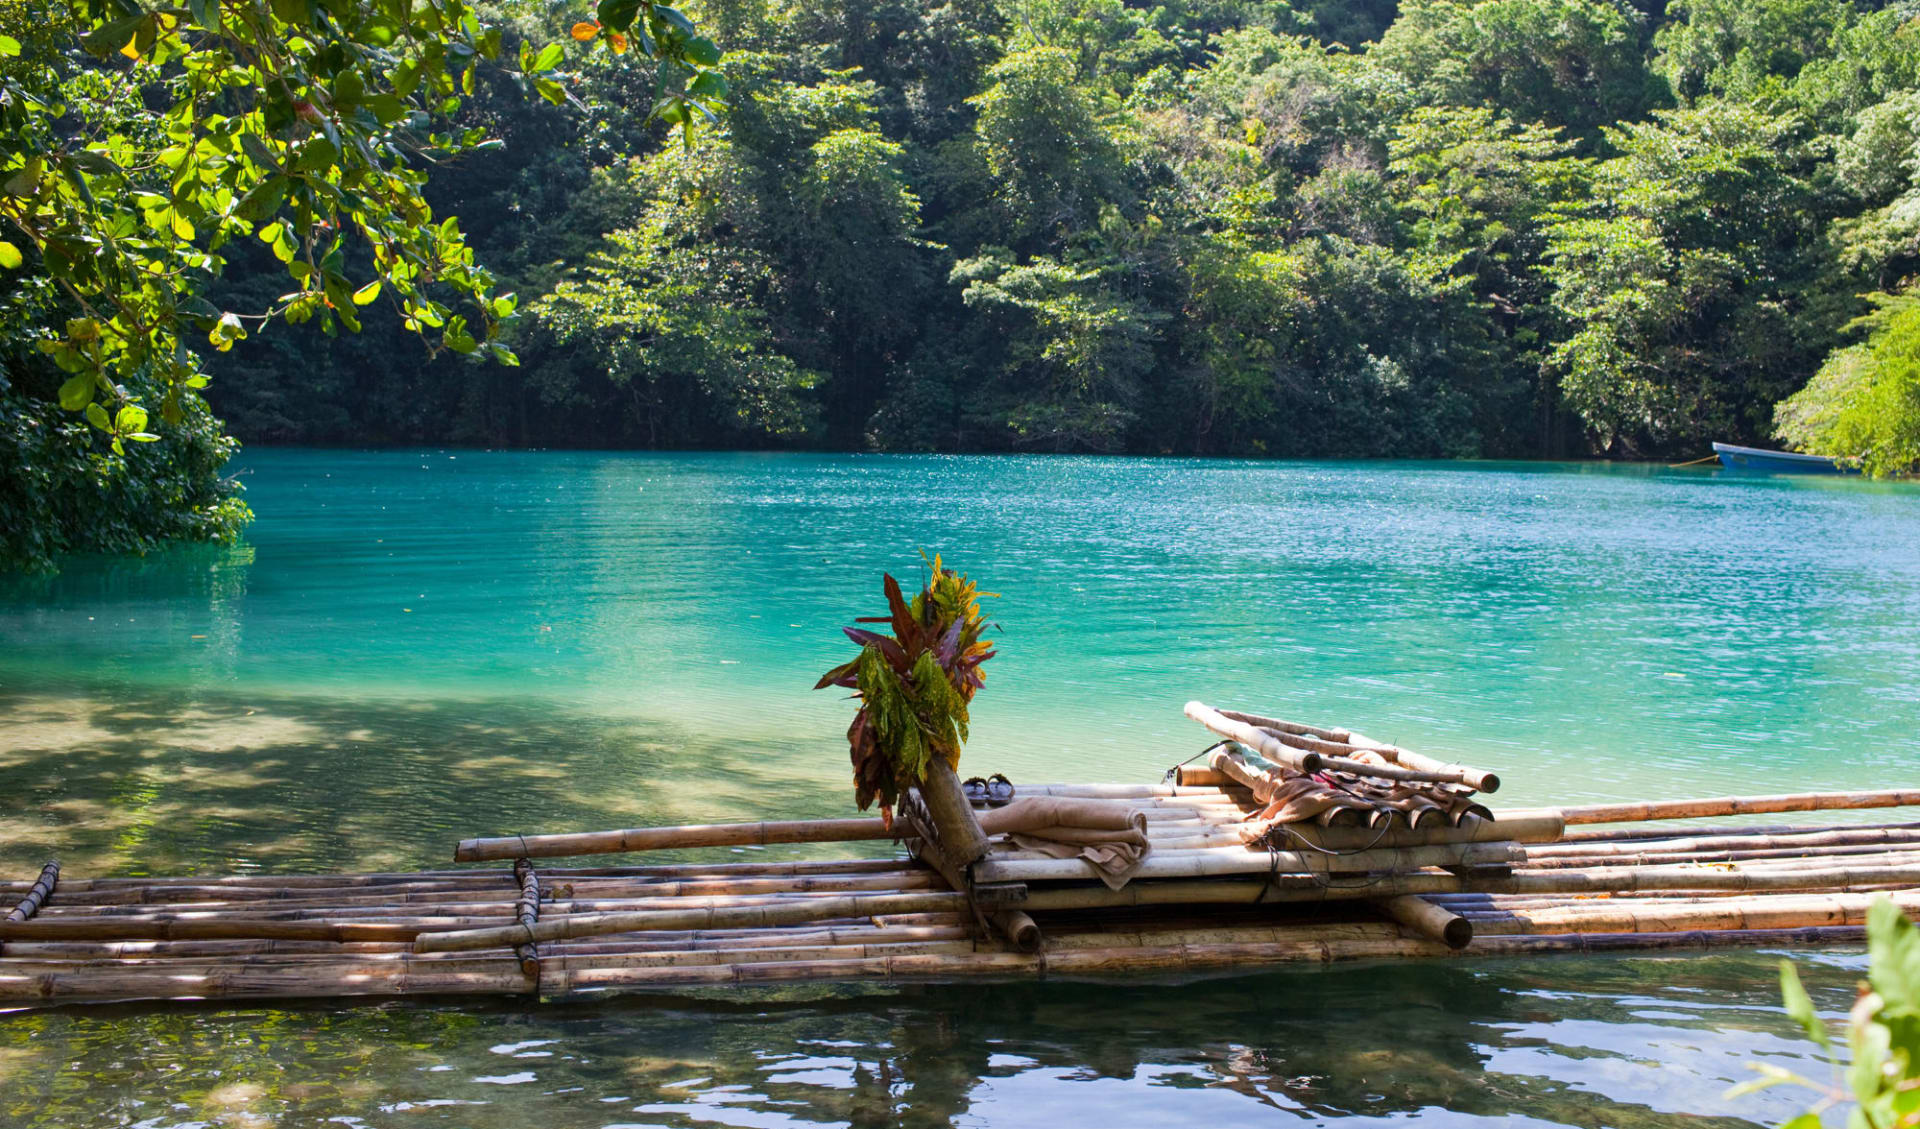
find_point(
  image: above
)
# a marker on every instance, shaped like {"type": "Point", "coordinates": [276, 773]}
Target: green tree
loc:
{"type": "Point", "coordinates": [1049, 161]}
{"type": "Point", "coordinates": [674, 323]}
{"type": "Point", "coordinates": [1573, 63]}
{"type": "Point", "coordinates": [1076, 351]}
{"type": "Point", "coordinates": [144, 146]}
{"type": "Point", "coordinates": [1865, 401]}
{"type": "Point", "coordinates": [1690, 288]}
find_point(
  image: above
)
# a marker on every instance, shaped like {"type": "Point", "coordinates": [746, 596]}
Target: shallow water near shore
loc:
{"type": "Point", "coordinates": [414, 647]}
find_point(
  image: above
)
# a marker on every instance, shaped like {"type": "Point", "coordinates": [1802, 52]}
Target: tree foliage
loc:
{"type": "Point", "coordinates": [1447, 227]}
{"type": "Point", "coordinates": [1864, 403]}
{"type": "Point", "coordinates": [148, 147]}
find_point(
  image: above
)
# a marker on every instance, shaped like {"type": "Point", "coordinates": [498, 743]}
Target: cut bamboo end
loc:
{"type": "Point", "coordinates": [1429, 920]}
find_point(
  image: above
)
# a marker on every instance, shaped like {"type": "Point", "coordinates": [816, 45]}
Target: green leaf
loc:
{"type": "Point", "coordinates": [104, 40]}
{"type": "Point", "coordinates": [549, 57]}
{"type": "Point", "coordinates": [617, 14]}
{"type": "Point", "coordinates": [702, 51]}
{"type": "Point", "coordinates": [676, 19]}
{"type": "Point", "coordinates": [10, 256]}
{"type": "Point", "coordinates": [367, 293]}
{"type": "Point", "coordinates": [1894, 945]}
{"type": "Point", "coordinates": [97, 416]}
{"type": "Point", "coordinates": [9, 45]}
{"type": "Point", "coordinates": [318, 155]}
{"type": "Point", "coordinates": [1800, 1006]}
{"type": "Point", "coordinates": [130, 418]}
{"type": "Point", "coordinates": [77, 393]}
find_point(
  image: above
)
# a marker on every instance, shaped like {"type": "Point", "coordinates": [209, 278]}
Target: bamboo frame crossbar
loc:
{"type": "Point", "coordinates": [759, 834]}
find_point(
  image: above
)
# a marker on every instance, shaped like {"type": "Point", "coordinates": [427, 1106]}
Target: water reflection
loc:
{"type": "Point", "coordinates": [1641, 1042]}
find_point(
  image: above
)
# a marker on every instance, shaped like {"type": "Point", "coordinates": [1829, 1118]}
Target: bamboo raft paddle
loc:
{"type": "Point", "coordinates": [1220, 886]}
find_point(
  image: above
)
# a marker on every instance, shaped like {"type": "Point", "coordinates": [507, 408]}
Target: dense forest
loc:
{"type": "Point", "coordinates": [1504, 228]}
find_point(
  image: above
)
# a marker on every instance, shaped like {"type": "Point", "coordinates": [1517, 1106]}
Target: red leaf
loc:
{"type": "Point", "coordinates": [837, 676]}
{"type": "Point", "coordinates": [904, 628]}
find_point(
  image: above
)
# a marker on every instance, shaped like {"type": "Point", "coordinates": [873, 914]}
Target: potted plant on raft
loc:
{"type": "Point", "coordinates": [914, 687]}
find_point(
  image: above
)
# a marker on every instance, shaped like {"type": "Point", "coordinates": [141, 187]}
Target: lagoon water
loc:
{"type": "Point", "coordinates": [413, 647]}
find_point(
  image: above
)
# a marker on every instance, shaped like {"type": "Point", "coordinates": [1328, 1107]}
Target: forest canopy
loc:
{"type": "Point", "coordinates": [1505, 228]}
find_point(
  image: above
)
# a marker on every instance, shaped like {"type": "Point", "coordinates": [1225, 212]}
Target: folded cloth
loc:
{"type": "Point", "coordinates": [1111, 837]}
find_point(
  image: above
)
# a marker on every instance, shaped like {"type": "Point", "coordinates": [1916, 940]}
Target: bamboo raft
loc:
{"type": "Point", "coordinates": [1409, 865]}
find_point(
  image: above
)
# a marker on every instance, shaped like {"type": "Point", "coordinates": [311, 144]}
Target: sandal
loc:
{"type": "Point", "coordinates": [999, 791]}
{"type": "Point", "coordinates": [975, 790]}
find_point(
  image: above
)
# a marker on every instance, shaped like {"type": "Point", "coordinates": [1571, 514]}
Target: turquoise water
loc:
{"type": "Point", "coordinates": [414, 647]}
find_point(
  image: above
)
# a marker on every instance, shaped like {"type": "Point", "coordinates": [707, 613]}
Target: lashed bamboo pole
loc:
{"type": "Point", "coordinates": [1428, 920]}
{"type": "Point", "coordinates": [1723, 914]}
{"type": "Point", "coordinates": [1616, 833]}
{"type": "Point", "coordinates": [500, 895]}
{"type": "Point", "coordinates": [1779, 856]}
{"type": "Point", "coordinates": [243, 883]}
{"type": "Point", "coordinates": [38, 893]}
{"type": "Point", "coordinates": [1340, 736]}
{"type": "Point", "coordinates": [1739, 805]}
{"type": "Point", "coordinates": [592, 925]}
{"type": "Point", "coordinates": [42, 929]}
{"type": "Point", "coordinates": [757, 834]}
{"type": "Point", "coordinates": [1240, 860]}
{"type": "Point", "coordinates": [526, 912]}
{"type": "Point", "coordinates": [1476, 778]}
{"type": "Point", "coordinates": [1347, 742]}
{"type": "Point", "coordinates": [1305, 760]}
{"type": "Point", "coordinates": [1708, 841]}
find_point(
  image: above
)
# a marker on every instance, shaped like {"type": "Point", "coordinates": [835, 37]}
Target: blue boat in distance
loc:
{"type": "Point", "coordinates": [1754, 460]}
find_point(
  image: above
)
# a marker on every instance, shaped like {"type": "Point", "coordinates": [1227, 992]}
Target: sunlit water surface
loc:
{"type": "Point", "coordinates": [415, 647]}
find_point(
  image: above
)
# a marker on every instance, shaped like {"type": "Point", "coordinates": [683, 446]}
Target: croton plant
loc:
{"type": "Point", "coordinates": [913, 686]}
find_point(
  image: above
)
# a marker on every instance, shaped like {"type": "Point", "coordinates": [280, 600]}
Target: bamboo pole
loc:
{"type": "Point", "coordinates": [1018, 928]}
{"type": "Point", "coordinates": [593, 925]}
{"type": "Point", "coordinates": [1544, 829]}
{"type": "Point", "coordinates": [1429, 920]}
{"type": "Point", "coordinates": [1240, 860]}
{"type": "Point", "coordinates": [1739, 805]}
{"type": "Point", "coordinates": [1340, 736]}
{"type": "Point", "coordinates": [1724, 914]}
{"type": "Point", "coordinates": [1614, 833]}
{"type": "Point", "coordinates": [43, 929]}
{"type": "Point", "coordinates": [1778, 856]}
{"type": "Point", "coordinates": [526, 912]}
{"type": "Point", "coordinates": [1306, 760]}
{"type": "Point", "coordinates": [38, 893]}
{"type": "Point", "coordinates": [758, 834]}
{"type": "Point", "coordinates": [1707, 841]}
{"type": "Point", "coordinates": [1349, 742]}
{"type": "Point", "coordinates": [502, 895]}
{"type": "Point", "coordinates": [961, 839]}
{"type": "Point", "coordinates": [1478, 779]}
